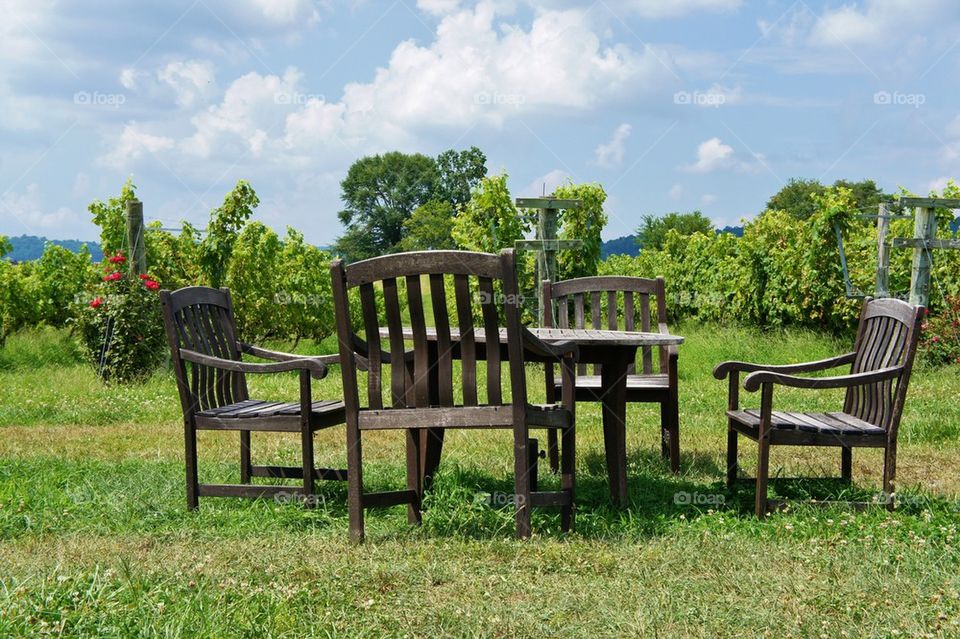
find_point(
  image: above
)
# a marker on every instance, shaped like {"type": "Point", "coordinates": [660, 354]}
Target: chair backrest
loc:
{"type": "Point", "coordinates": [473, 285]}
{"type": "Point", "coordinates": [887, 336]}
{"type": "Point", "coordinates": [201, 319]}
{"type": "Point", "coordinates": [624, 300]}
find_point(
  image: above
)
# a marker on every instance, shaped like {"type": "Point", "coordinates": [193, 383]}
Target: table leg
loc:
{"type": "Point", "coordinates": [613, 383]}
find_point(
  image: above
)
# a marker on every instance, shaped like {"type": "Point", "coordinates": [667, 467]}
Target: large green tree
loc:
{"type": "Point", "coordinates": [458, 173]}
{"type": "Point", "coordinates": [429, 228]}
{"type": "Point", "coordinates": [380, 193]}
{"type": "Point", "coordinates": [799, 197]}
{"type": "Point", "coordinates": [653, 230]}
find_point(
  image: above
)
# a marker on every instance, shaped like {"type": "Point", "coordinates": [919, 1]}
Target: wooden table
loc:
{"type": "Point", "coordinates": [614, 351]}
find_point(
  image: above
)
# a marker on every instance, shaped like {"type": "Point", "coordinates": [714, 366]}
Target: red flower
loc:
{"type": "Point", "coordinates": [935, 339]}
{"type": "Point", "coordinates": [118, 259]}
{"type": "Point", "coordinates": [97, 302]}
{"type": "Point", "coordinates": [113, 277]}
{"type": "Point", "coordinates": [926, 311]}
{"type": "Point", "coordinates": [144, 277]}
{"type": "Point", "coordinates": [151, 285]}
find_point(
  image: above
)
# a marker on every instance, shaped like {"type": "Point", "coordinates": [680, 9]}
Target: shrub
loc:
{"type": "Point", "coordinates": [940, 339]}
{"type": "Point", "coordinates": [120, 329]}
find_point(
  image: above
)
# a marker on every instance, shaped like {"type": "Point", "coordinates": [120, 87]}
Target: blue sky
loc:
{"type": "Point", "coordinates": [671, 105]}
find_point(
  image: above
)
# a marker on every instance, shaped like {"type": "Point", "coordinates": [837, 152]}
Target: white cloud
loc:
{"type": "Point", "coordinates": [938, 184]}
{"type": "Point", "coordinates": [611, 153]}
{"type": "Point", "coordinates": [675, 192]}
{"type": "Point", "coordinates": [711, 156]}
{"type": "Point", "coordinates": [192, 80]}
{"type": "Point", "coordinates": [287, 12]}
{"type": "Point", "coordinates": [714, 155]}
{"type": "Point", "coordinates": [27, 208]}
{"type": "Point", "coordinates": [545, 184]}
{"type": "Point", "coordinates": [707, 199]}
{"type": "Point", "coordinates": [133, 144]}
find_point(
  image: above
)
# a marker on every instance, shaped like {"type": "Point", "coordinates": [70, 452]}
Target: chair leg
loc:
{"type": "Point", "coordinates": [846, 463]}
{"type": "Point", "coordinates": [890, 475]}
{"type": "Point", "coordinates": [763, 469]}
{"type": "Point", "coordinates": [245, 470]}
{"type": "Point", "coordinates": [664, 430]}
{"type": "Point", "coordinates": [306, 441]}
{"type": "Point", "coordinates": [674, 413]}
{"type": "Point", "coordinates": [552, 450]}
{"type": "Point", "coordinates": [355, 483]}
{"type": "Point", "coordinates": [732, 468]}
{"type": "Point", "coordinates": [521, 467]}
{"type": "Point", "coordinates": [414, 483]}
{"type": "Point", "coordinates": [190, 457]}
{"type": "Point", "coordinates": [568, 478]}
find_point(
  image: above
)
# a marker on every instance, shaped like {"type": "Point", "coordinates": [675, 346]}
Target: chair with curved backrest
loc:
{"type": "Point", "coordinates": [876, 389]}
{"type": "Point", "coordinates": [211, 378]}
{"type": "Point", "coordinates": [421, 386]}
{"type": "Point", "coordinates": [567, 304]}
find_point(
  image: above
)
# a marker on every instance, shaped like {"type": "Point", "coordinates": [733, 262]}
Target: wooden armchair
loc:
{"type": "Point", "coordinates": [421, 385]}
{"type": "Point", "coordinates": [646, 385]}
{"type": "Point", "coordinates": [880, 362]}
{"type": "Point", "coordinates": [211, 378]}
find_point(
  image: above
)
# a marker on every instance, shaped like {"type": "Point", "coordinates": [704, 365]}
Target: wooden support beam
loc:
{"type": "Point", "coordinates": [929, 202]}
{"type": "Point", "coordinates": [924, 230]}
{"type": "Point", "coordinates": [883, 252]}
{"type": "Point", "coordinates": [136, 249]}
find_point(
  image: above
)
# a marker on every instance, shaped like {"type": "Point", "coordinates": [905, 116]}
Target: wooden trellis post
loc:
{"type": "Point", "coordinates": [923, 240]}
{"type": "Point", "coordinates": [137, 258]}
{"type": "Point", "coordinates": [546, 243]}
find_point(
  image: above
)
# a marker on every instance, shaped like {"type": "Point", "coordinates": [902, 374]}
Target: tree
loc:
{"type": "Point", "coordinates": [380, 193]}
{"type": "Point", "coordinates": [110, 216]}
{"type": "Point", "coordinates": [459, 172]}
{"type": "Point", "coordinates": [490, 221]}
{"type": "Point", "coordinates": [585, 223]}
{"type": "Point", "coordinates": [429, 228]}
{"type": "Point", "coordinates": [653, 231]}
{"type": "Point", "coordinates": [799, 197]}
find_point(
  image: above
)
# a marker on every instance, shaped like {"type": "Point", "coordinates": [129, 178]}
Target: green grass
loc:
{"type": "Point", "coordinates": [95, 539]}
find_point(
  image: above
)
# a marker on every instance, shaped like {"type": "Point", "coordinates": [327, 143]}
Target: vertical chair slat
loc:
{"type": "Point", "coordinates": [491, 327]}
{"type": "Point", "coordinates": [421, 350]}
{"type": "Point", "coordinates": [612, 310]}
{"type": "Point", "coordinates": [468, 344]}
{"type": "Point", "coordinates": [645, 327]}
{"type": "Point", "coordinates": [563, 314]}
{"type": "Point", "coordinates": [441, 324]}
{"type": "Point", "coordinates": [398, 373]}
{"type": "Point", "coordinates": [371, 327]}
{"type": "Point", "coordinates": [629, 323]}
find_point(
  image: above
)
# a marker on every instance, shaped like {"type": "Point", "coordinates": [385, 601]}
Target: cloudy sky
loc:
{"type": "Point", "coordinates": [670, 104]}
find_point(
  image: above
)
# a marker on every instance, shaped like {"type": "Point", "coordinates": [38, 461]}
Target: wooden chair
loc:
{"type": "Point", "coordinates": [643, 386]}
{"type": "Point", "coordinates": [881, 362]}
{"type": "Point", "coordinates": [421, 383]}
{"type": "Point", "coordinates": [211, 377]}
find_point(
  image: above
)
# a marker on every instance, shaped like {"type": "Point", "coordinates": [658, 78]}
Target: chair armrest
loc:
{"type": "Point", "coordinates": [754, 380]}
{"type": "Point", "coordinates": [317, 368]}
{"type": "Point", "coordinates": [672, 351]}
{"type": "Point", "coordinates": [538, 347]}
{"type": "Point", "coordinates": [276, 356]}
{"type": "Point", "coordinates": [723, 369]}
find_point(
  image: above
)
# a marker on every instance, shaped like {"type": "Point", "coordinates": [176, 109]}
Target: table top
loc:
{"type": "Point", "coordinates": [582, 336]}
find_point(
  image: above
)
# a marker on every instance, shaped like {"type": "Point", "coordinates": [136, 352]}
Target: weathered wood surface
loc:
{"type": "Point", "coordinates": [582, 336]}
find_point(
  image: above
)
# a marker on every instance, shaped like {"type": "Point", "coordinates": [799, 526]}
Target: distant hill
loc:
{"type": "Point", "coordinates": [626, 245]}
{"type": "Point", "coordinates": [30, 247]}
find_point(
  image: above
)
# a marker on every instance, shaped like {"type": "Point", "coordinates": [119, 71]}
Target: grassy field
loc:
{"type": "Point", "coordinates": [95, 539]}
